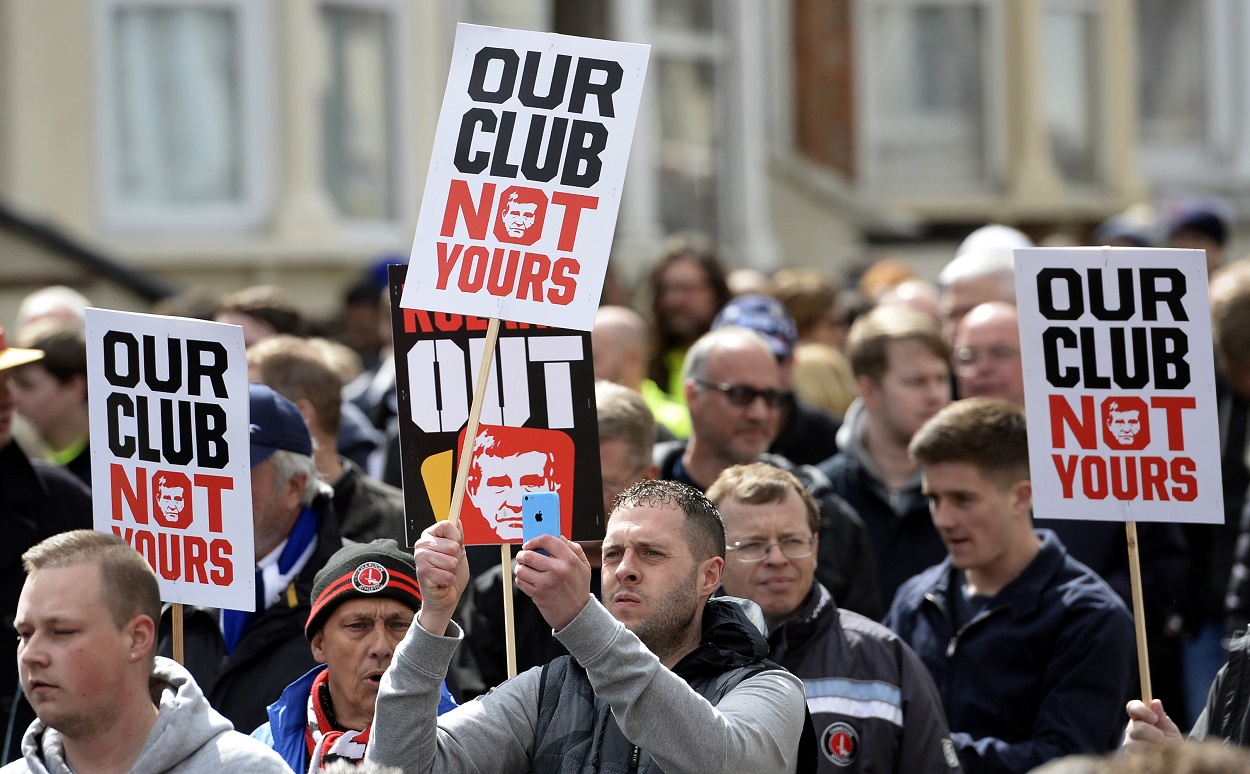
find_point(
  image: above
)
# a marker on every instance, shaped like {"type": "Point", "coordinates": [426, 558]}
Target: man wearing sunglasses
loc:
{"type": "Point", "coordinates": [873, 704]}
{"type": "Point", "coordinates": [733, 389]}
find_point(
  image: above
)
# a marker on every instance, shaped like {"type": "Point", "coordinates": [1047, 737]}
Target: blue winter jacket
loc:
{"type": "Point", "coordinates": [1044, 671]}
{"type": "Point", "coordinates": [288, 720]}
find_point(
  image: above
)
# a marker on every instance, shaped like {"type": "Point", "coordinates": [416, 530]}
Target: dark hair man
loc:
{"type": "Point", "coordinates": [51, 392]}
{"type": "Point", "coordinates": [86, 627]}
{"type": "Point", "coordinates": [1031, 651]}
{"type": "Point", "coordinates": [659, 676]}
{"type": "Point", "coordinates": [626, 435]}
{"type": "Point", "coordinates": [874, 705]}
{"type": "Point", "coordinates": [364, 600]}
{"type": "Point", "coordinates": [688, 288]}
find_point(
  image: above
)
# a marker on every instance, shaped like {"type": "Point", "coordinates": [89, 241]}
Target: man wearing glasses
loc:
{"type": "Point", "coordinates": [733, 389]}
{"type": "Point", "coordinates": [873, 704]}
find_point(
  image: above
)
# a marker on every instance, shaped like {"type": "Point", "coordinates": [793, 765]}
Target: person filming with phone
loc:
{"type": "Point", "coordinates": [660, 676]}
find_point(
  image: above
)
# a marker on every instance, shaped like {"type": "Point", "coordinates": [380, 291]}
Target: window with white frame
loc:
{"type": "Point", "coordinates": [928, 89]}
{"type": "Point", "coordinates": [1171, 82]}
{"type": "Point", "coordinates": [1071, 99]}
{"type": "Point", "coordinates": [359, 109]}
{"type": "Point", "coordinates": [183, 113]}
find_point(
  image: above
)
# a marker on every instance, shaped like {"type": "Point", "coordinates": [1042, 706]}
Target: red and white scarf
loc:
{"type": "Point", "coordinates": [326, 741]}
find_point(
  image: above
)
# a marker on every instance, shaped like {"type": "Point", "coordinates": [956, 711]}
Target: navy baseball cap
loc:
{"type": "Point", "coordinates": [275, 424]}
{"type": "Point", "coordinates": [766, 316]}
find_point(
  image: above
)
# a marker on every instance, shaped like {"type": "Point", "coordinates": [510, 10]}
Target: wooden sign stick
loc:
{"type": "Point", "coordinates": [177, 622]}
{"type": "Point", "coordinates": [1139, 610]}
{"type": "Point", "coordinates": [462, 476]}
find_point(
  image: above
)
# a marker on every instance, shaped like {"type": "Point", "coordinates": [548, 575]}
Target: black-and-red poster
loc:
{"type": "Point", "coordinates": [538, 428]}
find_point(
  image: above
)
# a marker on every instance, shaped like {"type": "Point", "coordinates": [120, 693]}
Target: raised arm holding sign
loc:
{"type": "Point", "coordinates": [517, 218]}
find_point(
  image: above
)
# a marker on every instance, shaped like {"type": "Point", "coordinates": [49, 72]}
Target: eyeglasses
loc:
{"type": "Point", "coordinates": [999, 353]}
{"type": "Point", "coordinates": [757, 550]}
{"type": "Point", "coordinates": [742, 395]}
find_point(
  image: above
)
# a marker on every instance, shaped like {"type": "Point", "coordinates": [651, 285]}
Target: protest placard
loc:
{"type": "Point", "coordinates": [539, 430]}
{"type": "Point", "coordinates": [525, 177]}
{"type": "Point", "coordinates": [169, 455]}
{"type": "Point", "coordinates": [1119, 384]}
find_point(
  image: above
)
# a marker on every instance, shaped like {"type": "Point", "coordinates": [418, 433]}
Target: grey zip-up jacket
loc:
{"type": "Point", "coordinates": [189, 737]}
{"type": "Point", "coordinates": [754, 729]}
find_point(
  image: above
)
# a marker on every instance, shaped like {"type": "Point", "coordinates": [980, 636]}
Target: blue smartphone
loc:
{"type": "Point", "coordinates": [540, 515]}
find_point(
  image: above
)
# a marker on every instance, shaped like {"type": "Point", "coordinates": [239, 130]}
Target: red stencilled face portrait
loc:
{"type": "Point", "coordinates": [522, 212]}
{"type": "Point", "coordinates": [171, 499]}
{"type": "Point", "coordinates": [1125, 423]}
{"type": "Point", "coordinates": [509, 462]}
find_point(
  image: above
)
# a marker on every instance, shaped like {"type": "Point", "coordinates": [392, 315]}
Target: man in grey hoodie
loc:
{"type": "Point", "coordinates": [86, 656]}
{"type": "Point", "coordinates": [659, 677]}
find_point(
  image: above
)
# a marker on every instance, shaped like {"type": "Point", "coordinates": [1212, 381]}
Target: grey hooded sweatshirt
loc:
{"type": "Point", "coordinates": [189, 736]}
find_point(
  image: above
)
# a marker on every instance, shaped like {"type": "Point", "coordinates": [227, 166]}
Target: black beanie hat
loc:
{"type": "Point", "coordinates": [377, 569]}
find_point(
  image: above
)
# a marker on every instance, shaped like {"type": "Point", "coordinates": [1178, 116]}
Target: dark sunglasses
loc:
{"type": "Point", "coordinates": [742, 395]}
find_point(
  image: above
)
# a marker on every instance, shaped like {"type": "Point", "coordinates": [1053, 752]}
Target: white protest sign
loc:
{"type": "Point", "coordinates": [525, 177]}
{"type": "Point", "coordinates": [169, 451]}
{"type": "Point", "coordinates": [1119, 384]}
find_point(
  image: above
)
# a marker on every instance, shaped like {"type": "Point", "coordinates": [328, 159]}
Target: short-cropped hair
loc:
{"type": "Point", "coordinates": [64, 346]}
{"type": "Point", "coordinates": [872, 333]}
{"type": "Point", "coordinates": [704, 529]}
{"type": "Point", "coordinates": [760, 483]}
{"type": "Point", "coordinates": [986, 432]}
{"type": "Point", "coordinates": [624, 414]}
{"type": "Point", "coordinates": [297, 370]}
{"type": "Point", "coordinates": [128, 585]}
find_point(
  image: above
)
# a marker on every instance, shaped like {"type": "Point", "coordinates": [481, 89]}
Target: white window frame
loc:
{"type": "Point", "coordinates": [994, 85]}
{"type": "Point", "coordinates": [258, 122]}
{"type": "Point", "coordinates": [1223, 157]}
{"type": "Point", "coordinates": [1101, 82]}
{"type": "Point", "coordinates": [397, 65]}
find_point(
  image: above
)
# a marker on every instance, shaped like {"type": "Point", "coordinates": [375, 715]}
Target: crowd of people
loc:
{"type": "Point", "coordinates": [821, 554]}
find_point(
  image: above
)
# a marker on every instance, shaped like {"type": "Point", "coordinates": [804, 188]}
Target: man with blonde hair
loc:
{"type": "Point", "coordinates": [86, 625]}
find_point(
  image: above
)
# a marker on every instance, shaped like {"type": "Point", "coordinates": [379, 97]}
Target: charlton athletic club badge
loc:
{"type": "Point", "coordinates": [840, 744]}
{"type": "Point", "coordinates": [370, 577]}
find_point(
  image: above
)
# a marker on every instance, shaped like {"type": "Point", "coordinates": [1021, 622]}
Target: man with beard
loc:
{"type": "Point", "coordinates": [659, 676]}
{"type": "Point", "coordinates": [902, 378]}
{"type": "Point", "coordinates": [688, 288]}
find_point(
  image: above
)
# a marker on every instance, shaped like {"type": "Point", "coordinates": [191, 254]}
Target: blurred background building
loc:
{"type": "Point", "coordinates": [156, 145]}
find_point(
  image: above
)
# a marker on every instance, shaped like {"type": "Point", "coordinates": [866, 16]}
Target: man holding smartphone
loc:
{"type": "Point", "coordinates": [657, 671]}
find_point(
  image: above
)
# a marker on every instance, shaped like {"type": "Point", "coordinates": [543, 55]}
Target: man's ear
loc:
{"type": "Point", "coordinates": [1021, 493]}
{"type": "Point", "coordinates": [709, 575]}
{"type": "Point", "coordinates": [866, 390]}
{"type": "Point", "coordinates": [689, 389]}
{"type": "Point", "coordinates": [318, 645]}
{"type": "Point", "coordinates": [293, 492]}
{"type": "Point", "coordinates": [79, 381]}
{"type": "Point", "coordinates": [308, 411]}
{"type": "Point", "coordinates": [141, 632]}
